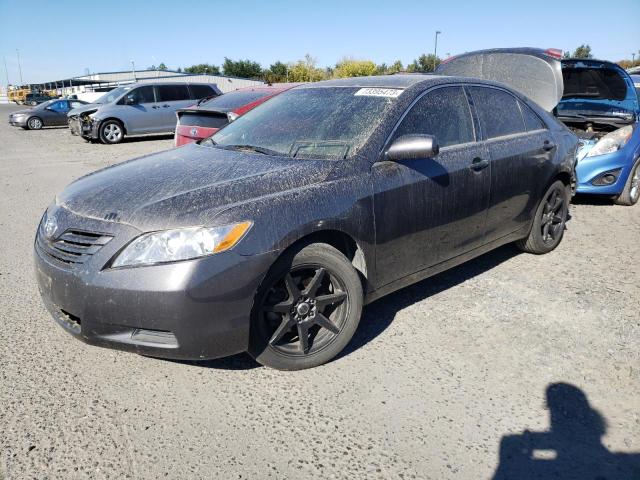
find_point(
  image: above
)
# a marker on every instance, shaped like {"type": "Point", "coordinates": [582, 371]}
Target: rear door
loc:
{"type": "Point", "coordinates": [171, 97]}
{"type": "Point", "coordinates": [520, 148]}
{"type": "Point", "coordinates": [432, 209]}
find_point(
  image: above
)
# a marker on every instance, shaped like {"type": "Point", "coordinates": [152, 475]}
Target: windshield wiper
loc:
{"type": "Point", "coordinates": [252, 148]}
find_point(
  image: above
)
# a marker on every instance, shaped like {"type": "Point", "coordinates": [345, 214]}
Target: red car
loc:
{"type": "Point", "coordinates": [209, 115]}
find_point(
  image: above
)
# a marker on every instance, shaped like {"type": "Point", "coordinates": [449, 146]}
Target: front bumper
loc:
{"type": "Point", "coordinates": [590, 168]}
{"type": "Point", "coordinates": [197, 309]}
{"type": "Point", "coordinates": [84, 127]}
{"type": "Point", "coordinates": [18, 122]}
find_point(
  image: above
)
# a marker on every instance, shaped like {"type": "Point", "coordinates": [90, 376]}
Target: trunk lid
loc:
{"type": "Point", "coordinates": [533, 72]}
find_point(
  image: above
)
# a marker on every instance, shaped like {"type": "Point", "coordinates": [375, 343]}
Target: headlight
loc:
{"type": "Point", "coordinates": [180, 244]}
{"type": "Point", "coordinates": [611, 142]}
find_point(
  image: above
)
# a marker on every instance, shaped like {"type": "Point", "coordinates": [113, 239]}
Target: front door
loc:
{"type": "Point", "coordinates": [143, 116]}
{"type": "Point", "coordinates": [432, 209]}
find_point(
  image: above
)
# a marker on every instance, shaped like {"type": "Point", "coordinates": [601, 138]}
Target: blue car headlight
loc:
{"type": "Point", "coordinates": [611, 142]}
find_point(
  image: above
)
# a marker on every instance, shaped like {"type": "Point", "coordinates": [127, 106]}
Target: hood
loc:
{"type": "Point", "coordinates": [185, 186]}
{"type": "Point", "coordinates": [597, 90]}
{"type": "Point", "coordinates": [24, 111]}
{"type": "Point", "coordinates": [533, 72]}
{"type": "Point", "coordinates": [84, 108]}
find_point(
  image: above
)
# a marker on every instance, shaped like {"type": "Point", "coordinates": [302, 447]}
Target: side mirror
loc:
{"type": "Point", "coordinates": [412, 147]}
{"type": "Point", "coordinates": [130, 99]}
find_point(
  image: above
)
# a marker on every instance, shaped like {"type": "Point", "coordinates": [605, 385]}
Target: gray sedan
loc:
{"type": "Point", "coordinates": [48, 114]}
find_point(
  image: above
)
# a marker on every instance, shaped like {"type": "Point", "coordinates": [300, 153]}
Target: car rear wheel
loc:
{"type": "Point", "coordinates": [34, 123]}
{"type": "Point", "coordinates": [631, 193]}
{"type": "Point", "coordinates": [33, 103]}
{"type": "Point", "coordinates": [111, 132]}
{"type": "Point", "coordinates": [307, 309]}
{"type": "Point", "coordinates": [549, 222]}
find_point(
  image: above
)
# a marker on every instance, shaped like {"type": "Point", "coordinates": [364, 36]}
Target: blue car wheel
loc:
{"type": "Point", "coordinates": [631, 193]}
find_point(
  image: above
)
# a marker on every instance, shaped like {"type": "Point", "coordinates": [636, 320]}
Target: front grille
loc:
{"type": "Point", "coordinates": [73, 246]}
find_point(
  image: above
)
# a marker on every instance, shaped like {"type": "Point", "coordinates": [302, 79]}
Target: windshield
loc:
{"type": "Point", "coordinates": [321, 122]}
{"type": "Point", "coordinates": [232, 100]}
{"type": "Point", "coordinates": [112, 95]}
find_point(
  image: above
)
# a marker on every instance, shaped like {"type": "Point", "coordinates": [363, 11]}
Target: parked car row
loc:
{"type": "Point", "coordinates": [270, 235]}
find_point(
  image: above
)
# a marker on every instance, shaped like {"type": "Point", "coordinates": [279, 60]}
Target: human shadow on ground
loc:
{"type": "Point", "coordinates": [572, 449]}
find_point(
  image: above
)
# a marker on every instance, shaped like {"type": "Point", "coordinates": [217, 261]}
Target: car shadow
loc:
{"type": "Point", "coordinates": [240, 361]}
{"type": "Point", "coordinates": [377, 316]}
{"type": "Point", "coordinates": [571, 449]}
{"type": "Point", "coordinates": [594, 200]}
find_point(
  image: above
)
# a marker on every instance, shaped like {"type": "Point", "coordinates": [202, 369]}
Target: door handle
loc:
{"type": "Point", "coordinates": [155, 106]}
{"type": "Point", "coordinates": [478, 164]}
{"type": "Point", "coordinates": [548, 146]}
{"type": "Point", "coordinates": [166, 106]}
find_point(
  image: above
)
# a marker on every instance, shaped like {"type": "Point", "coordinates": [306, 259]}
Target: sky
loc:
{"type": "Point", "coordinates": [63, 39]}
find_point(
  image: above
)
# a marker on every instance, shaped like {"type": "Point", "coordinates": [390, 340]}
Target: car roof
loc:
{"type": "Point", "coordinates": [383, 81]}
{"type": "Point", "coordinates": [269, 88]}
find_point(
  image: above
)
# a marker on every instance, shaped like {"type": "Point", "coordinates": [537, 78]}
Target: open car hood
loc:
{"type": "Point", "coordinates": [531, 71]}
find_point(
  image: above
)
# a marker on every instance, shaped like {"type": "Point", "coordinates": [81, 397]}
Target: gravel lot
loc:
{"type": "Point", "coordinates": [437, 375]}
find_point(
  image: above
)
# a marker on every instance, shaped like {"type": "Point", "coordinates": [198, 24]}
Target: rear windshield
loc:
{"type": "Point", "coordinates": [234, 100]}
{"type": "Point", "coordinates": [594, 83]}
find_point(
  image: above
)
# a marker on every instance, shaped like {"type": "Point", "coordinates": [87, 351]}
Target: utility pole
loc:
{"type": "Point", "coordinates": [19, 66]}
{"type": "Point", "coordinates": [133, 70]}
{"type": "Point", "coordinates": [435, 50]}
{"type": "Point", "coordinates": [633, 57]}
{"type": "Point", "coordinates": [6, 71]}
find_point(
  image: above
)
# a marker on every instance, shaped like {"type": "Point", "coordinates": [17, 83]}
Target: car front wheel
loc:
{"type": "Point", "coordinates": [631, 193]}
{"type": "Point", "coordinates": [111, 132]}
{"type": "Point", "coordinates": [307, 309]}
{"type": "Point", "coordinates": [549, 221]}
{"type": "Point", "coordinates": [34, 123]}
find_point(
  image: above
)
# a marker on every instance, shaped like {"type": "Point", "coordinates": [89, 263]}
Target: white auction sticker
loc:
{"type": "Point", "coordinates": [379, 92]}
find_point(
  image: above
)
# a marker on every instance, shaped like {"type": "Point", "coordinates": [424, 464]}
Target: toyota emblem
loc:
{"type": "Point", "coordinates": [50, 227]}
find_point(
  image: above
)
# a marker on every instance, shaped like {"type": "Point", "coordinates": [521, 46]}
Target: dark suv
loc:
{"type": "Point", "coordinates": [269, 236]}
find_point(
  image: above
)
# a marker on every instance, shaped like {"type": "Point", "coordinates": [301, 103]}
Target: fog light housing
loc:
{"type": "Point", "coordinates": [606, 178]}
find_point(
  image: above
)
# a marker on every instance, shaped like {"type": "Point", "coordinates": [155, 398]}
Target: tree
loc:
{"type": "Point", "coordinates": [354, 68]}
{"type": "Point", "coordinates": [203, 68]}
{"type": "Point", "coordinates": [306, 71]}
{"type": "Point", "coordinates": [384, 69]}
{"type": "Point", "coordinates": [152, 67]}
{"type": "Point", "coordinates": [277, 72]}
{"type": "Point", "coordinates": [162, 67]}
{"type": "Point", "coordinates": [241, 68]}
{"type": "Point", "coordinates": [583, 51]}
{"type": "Point", "coordinates": [424, 63]}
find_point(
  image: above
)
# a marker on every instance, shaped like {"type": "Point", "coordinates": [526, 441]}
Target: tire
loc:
{"type": "Point", "coordinates": [549, 222]}
{"type": "Point", "coordinates": [33, 103]}
{"type": "Point", "coordinates": [34, 123]}
{"type": "Point", "coordinates": [306, 310]}
{"type": "Point", "coordinates": [111, 132]}
{"type": "Point", "coordinates": [631, 193]}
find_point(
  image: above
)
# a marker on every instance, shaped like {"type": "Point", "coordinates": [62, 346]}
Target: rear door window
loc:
{"type": "Point", "coordinates": [498, 112]}
{"type": "Point", "coordinates": [443, 113]}
{"type": "Point", "coordinates": [531, 120]}
{"type": "Point", "coordinates": [200, 91]}
{"type": "Point", "coordinates": [75, 104]}
{"type": "Point", "coordinates": [170, 93]}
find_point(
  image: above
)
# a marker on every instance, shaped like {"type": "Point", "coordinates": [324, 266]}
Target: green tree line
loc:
{"type": "Point", "coordinates": [306, 69]}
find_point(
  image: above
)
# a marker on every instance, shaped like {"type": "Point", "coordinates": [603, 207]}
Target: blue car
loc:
{"type": "Point", "coordinates": [600, 103]}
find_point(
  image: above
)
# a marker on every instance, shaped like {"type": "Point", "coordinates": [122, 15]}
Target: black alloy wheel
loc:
{"type": "Point", "coordinates": [308, 309]}
{"type": "Point", "coordinates": [549, 222]}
